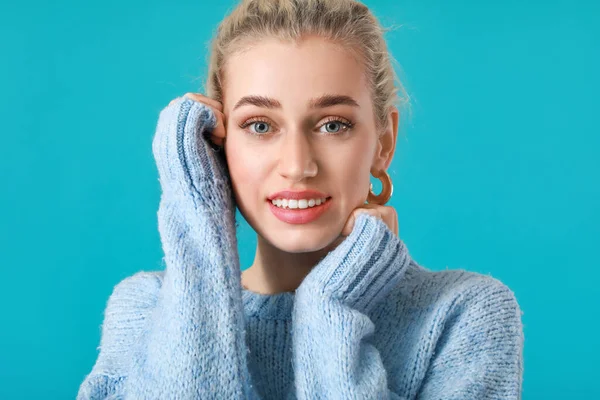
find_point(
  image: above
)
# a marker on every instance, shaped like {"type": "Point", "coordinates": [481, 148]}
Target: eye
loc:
{"type": "Point", "coordinates": [261, 127]}
{"type": "Point", "coordinates": [337, 125]}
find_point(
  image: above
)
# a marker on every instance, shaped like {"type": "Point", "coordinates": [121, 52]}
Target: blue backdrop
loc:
{"type": "Point", "coordinates": [494, 171]}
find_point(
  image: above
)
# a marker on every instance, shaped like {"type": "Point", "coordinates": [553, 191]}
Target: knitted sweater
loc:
{"type": "Point", "coordinates": [367, 322]}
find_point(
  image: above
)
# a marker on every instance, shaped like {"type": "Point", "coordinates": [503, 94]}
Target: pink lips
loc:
{"type": "Point", "coordinates": [300, 216]}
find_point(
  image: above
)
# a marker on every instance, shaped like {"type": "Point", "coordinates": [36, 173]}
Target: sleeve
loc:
{"type": "Point", "coordinates": [334, 358]}
{"type": "Point", "coordinates": [126, 312]}
{"type": "Point", "coordinates": [194, 345]}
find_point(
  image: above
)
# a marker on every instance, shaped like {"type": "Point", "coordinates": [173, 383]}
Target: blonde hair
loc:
{"type": "Point", "coordinates": [345, 22]}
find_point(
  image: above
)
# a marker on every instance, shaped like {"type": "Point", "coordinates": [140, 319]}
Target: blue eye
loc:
{"type": "Point", "coordinates": [260, 126]}
{"type": "Point", "coordinates": [335, 124]}
{"type": "Point", "coordinates": [338, 126]}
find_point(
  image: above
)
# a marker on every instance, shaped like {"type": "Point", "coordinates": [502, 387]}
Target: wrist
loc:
{"type": "Point", "coordinates": [363, 269]}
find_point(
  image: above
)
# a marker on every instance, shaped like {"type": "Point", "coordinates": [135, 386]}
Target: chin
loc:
{"type": "Point", "coordinates": [302, 243]}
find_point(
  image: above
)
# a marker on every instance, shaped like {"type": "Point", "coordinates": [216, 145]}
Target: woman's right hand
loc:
{"type": "Point", "coordinates": [219, 133]}
{"type": "Point", "coordinates": [187, 148]}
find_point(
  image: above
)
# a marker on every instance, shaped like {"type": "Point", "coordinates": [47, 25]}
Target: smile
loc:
{"type": "Point", "coordinates": [299, 211]}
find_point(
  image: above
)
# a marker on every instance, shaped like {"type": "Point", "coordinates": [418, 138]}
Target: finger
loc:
{"type": "Point", "coordinates": [206, 100]}
{"type": "Point", "coordinates": [218, 133]}
{"type": "Point", "coordinates": [390, 217]}
{"type": "Point", "coordinates": [217, 141]}
{"type": "Point", "coordinates": [220, 130]}
{"type": "Point", "coordinates": [371, 206]}
{"type": "Point", "coordinates": [388, 214]}
{"type": "Point", "coordinates": [352, 219]}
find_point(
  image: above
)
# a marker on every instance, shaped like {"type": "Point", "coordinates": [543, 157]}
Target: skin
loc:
{"type": "Point", "coordinates": [296, 152]}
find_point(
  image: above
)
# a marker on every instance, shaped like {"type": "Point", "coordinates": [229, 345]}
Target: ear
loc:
{"type": "Point", "coordinates": [386, 143]}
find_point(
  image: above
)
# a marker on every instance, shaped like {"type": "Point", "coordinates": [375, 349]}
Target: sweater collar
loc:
{"type": "Point", "coordinates": [268, 306]}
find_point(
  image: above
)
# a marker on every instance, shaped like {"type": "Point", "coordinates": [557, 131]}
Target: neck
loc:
{"type": "Point", "coordinates": [275, 271]}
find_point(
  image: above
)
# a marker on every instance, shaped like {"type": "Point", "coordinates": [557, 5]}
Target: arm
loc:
{"type": "Point", "coordinates": [183, 338]}
{"type": "Point", "coordinates": [334, 358]}
{"type": "Point", "coordinates": [195, 344]}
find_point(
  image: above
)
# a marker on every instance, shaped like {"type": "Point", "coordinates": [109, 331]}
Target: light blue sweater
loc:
{"type": "Point", "coordinates": [366, 323]}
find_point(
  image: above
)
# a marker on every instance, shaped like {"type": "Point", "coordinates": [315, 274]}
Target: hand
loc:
{"type": "Point", "coordinates": [184, 149]}
{"type": "Point", "coordinates": [386, 213]}
{"type": "Point", "coordinates": [197, 205]}
{"type": "Point", "coordinates": [363, 266]}
{"type": "Point", "coordinates": [219, 133]}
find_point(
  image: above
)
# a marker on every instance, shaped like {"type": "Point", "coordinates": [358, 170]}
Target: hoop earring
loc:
{"type": "Point", "coordinates": [386, 190]}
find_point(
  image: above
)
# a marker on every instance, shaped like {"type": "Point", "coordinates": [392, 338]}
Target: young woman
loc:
{"type": "Point", "coordinates": [300, 110]}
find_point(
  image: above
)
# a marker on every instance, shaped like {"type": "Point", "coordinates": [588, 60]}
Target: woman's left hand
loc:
{"type": "Point", "coordinates": [386, 213]}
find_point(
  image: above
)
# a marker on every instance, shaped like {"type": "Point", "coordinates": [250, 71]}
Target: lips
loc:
{"type": "Point", "coordinates": [299, 216]}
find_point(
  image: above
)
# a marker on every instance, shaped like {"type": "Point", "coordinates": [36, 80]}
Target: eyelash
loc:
{"type": "Point", "coordinates": [347, 125]}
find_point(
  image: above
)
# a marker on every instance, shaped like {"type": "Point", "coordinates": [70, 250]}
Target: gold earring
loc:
{"type": "Point", "coordinates": [386, 190]}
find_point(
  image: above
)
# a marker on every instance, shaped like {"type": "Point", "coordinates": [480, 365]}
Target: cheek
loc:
{"type": "Point", "coordinates": [350, 169]}
{"type": "Point", "coordinates": [354, 180]}
{"type": "Point", "coordinates": [246, 172]}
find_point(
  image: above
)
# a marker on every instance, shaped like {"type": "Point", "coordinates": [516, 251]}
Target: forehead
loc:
{"type": "Point", "coordinates": [294, 72]}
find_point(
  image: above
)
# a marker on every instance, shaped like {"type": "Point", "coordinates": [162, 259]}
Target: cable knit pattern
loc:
{"type": "Point", "coordinates": [367, 322]}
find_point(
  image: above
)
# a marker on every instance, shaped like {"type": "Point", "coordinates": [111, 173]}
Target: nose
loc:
{"type": "Point", "coordinates": [296, 160]}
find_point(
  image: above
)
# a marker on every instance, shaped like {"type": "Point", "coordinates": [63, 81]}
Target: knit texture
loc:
{"type": "Point", "coordinates": [367, 322]}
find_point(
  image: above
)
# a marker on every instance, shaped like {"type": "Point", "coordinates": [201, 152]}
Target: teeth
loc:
{"type": "Point", "coordinates": [293, 204]}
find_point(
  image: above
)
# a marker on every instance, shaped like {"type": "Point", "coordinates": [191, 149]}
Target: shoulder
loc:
{"type": "Point", "coordinates": [449, 300]}
{"type": "Point", "coordinates": [137, 291]}
{"type": "Point", "coordinates": [140, 288]}
{"type": "Point", "coordinates": [458, 313]}
{"type": "Point", "coordinates": [128, 308]}
{"type": "Point", "coordinates": [463, 326]}
{"type": "Point", "coordinates": [458, 287]}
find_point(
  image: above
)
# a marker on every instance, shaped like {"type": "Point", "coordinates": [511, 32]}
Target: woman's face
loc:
{"type": "Point", "coordinates": [277, 141]}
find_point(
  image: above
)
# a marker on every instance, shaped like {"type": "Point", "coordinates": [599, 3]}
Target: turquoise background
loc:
{"type": "Point", "coordinates": [496, 170]}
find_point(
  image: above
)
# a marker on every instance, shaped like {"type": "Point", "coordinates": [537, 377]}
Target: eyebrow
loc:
{"type": "Point", "coordinates": [327, 100]}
